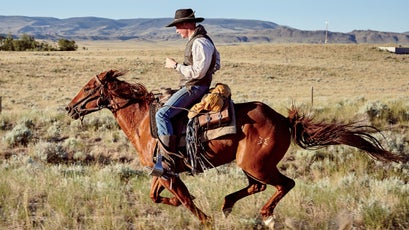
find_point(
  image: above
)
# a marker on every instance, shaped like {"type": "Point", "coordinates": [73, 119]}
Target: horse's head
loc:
{"type": "Point", "coordinates": [105, 91]}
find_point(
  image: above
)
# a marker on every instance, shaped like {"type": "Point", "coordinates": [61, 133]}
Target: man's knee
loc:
{"type": "Point", "coordinates": [160, 115]}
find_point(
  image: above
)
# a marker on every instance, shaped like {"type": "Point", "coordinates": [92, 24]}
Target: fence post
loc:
{"type": "Point", "coordinates": [0, 104]}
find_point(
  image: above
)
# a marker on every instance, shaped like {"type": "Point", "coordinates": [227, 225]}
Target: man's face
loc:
{"type": "Point", "coordinates": [183, 29]}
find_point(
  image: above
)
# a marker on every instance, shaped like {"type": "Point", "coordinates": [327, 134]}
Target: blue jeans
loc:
{"type": "Point", "coordinates": [183, 98]}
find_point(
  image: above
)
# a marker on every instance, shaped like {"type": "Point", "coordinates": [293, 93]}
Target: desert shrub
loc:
{"type": "Point", "coordinates": [395, 142]}
{"type": "Point", "coordinates": [20, 135]}
{"type": "Point", "coordinates": [399, 219]}
{"type": "Point", "coordinates": [28, 43]}
{"type": "Point", "coordinates": [73, 144]}
{"type": "Point", "coordinates": [95, 122]}
{"type": "Point", "coordinates": [6, 43]}
{"type": "Point", "coordinates": [5, 123]}
{"type": "Point", "coordinates": [54, 131]}
{"type": "Point", "coordinates": [77, 148]}
{"type": "Point", "coordinates": [75, 126]}
{"type": "Point", "coordinates": [50, 152]}
{"type": "Point", "coordinates": [104, 123]}
{"type": "Point", "coordinates": [80, 156]}
{"type": "Point", "coordinates": [25, 43]}
{"type": "Point", "coordinates": [67, 45]}
{"type": "Point", "coordinates": [375, 213]}
{"type": "Point", "coordinates": [381, 113]}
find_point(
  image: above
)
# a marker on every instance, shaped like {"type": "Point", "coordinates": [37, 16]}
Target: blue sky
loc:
{"type": "Point", "coordinates": [340, 15]}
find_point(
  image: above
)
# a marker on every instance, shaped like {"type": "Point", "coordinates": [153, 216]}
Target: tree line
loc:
{"type": "Point", "coordinates": [28, 43]}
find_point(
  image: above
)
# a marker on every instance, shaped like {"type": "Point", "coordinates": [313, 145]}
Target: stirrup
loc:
{"type": "Point", "coordinates": [158, 169]}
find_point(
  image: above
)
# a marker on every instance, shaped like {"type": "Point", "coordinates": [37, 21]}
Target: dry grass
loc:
{"type": "Point", "coordinates": [336, 187]}
{"type": "Point", "coordinates": [271, 73]}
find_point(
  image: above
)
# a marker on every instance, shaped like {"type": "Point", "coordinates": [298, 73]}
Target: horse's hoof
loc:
{"type": "Point", "coordinates": [208, 224]}
{"type": "Point", "coordinates": [269, 222]}
{"type": "Point", "coordinates": [226, 212]}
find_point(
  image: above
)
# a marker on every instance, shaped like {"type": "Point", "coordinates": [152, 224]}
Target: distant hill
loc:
{"type": "Point", "coordinates": [221, 30]}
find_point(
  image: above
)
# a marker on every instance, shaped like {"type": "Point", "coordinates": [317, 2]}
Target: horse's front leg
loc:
{"type": "Point", "coordinates": [156, 189]}
{"type": "Point", "coordinates": [176, 186]}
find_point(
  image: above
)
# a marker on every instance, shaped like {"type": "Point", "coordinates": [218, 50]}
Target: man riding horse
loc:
{"type": "Point", "coordinates": [201, 61]}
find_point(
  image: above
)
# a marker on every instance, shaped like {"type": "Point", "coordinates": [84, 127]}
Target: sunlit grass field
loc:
{"type": "Point", "coordinates": [59, 173]}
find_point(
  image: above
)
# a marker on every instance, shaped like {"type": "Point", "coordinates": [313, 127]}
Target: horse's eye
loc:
{"type": "Point", "coordinates": [87, 89]}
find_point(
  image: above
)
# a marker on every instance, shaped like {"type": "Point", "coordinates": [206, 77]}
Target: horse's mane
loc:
{"type": "Point", "coordinates": [133, 91]}
{"type": "Point", "coordinates": [127, 90]}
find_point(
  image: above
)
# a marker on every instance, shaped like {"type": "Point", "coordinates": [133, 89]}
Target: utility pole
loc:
{"type": "Point", "coordinates": [326, 32]}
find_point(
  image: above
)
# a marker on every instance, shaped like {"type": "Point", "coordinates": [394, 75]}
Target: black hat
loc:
{"type": "Point", "coordinates": [184, 15]}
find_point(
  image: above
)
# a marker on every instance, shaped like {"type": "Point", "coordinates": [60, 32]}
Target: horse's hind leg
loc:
{"type": "Point", "coordinates": [283, 185]}
{"type": "Point", "coordinates": [229, 200]}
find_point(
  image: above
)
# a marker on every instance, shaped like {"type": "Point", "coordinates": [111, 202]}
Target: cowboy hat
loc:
{"type": "Point", "coordinates": [184, 15]}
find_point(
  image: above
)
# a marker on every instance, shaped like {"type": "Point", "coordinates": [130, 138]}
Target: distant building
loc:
{"type": "Point", "coordinates": [396, 50]}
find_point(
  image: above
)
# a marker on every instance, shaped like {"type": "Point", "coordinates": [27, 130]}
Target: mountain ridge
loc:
{"type": "Point", "coordinates": [222, 30]}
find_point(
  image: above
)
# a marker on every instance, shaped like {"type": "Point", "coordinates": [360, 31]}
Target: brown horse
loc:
{"type": "Point", "coordinates": [263, 137]}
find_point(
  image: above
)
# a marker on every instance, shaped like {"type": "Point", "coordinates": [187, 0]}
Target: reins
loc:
{"type": "Point", "coordinates": [189, 110]}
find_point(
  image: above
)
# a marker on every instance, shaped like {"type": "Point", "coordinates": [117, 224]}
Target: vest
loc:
{"type": "Point", "coordinates": [207, 79]}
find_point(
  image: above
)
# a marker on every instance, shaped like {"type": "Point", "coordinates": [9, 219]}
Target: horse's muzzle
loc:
{"type": "Point", "coordinates": [72, 112]}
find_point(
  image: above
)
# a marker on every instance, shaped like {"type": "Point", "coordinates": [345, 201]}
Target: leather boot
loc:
{"type": "Point", "coordinates": [167, 145]}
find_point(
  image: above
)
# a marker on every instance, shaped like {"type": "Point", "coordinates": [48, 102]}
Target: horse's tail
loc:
{"type": "Point", "coordinates": [309, 135]}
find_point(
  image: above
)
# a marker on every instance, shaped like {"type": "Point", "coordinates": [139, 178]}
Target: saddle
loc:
{"type": "Point", "coordinates": [215, 110]}
{"type": "Point", "coordinates": [208, 119]}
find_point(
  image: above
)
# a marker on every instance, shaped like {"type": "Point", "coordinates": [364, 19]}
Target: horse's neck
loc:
{"type": "Point", "coordinates": [134, 121]}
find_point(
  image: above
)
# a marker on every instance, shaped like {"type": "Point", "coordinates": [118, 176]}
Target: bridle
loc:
{"type": "Point", "coordinates": [79, 107]}
{"type": "Point", "coordinates": [105, 100]}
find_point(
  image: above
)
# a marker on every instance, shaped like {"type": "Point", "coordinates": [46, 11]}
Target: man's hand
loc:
{"type": "Point", "coordinates": [170, 63]}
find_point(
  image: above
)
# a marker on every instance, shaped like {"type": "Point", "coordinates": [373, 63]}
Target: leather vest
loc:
{"type": "Point", "coordinates": [207, 79]}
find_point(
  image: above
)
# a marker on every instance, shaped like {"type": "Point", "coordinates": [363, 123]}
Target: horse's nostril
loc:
{"type": "Point", "coordinates": [67, 108]}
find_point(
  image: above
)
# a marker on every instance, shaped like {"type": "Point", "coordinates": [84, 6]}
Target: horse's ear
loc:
{"type": "Point", "coordinates": [113, 73]}
{"type": "Point", "coordinates": [109, 74]}
{"type": "Point", "coordinates": [118, 73]}
{"type": "Point", "coordinates": [105, 75]}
